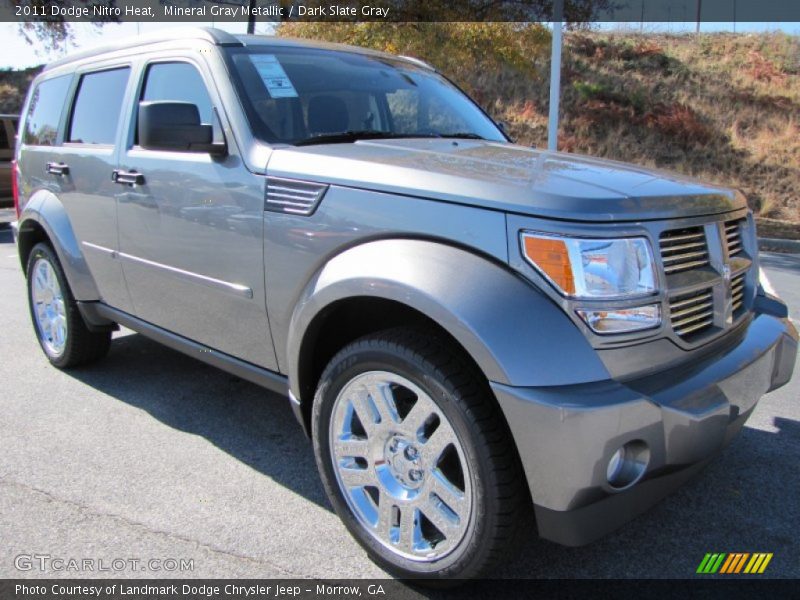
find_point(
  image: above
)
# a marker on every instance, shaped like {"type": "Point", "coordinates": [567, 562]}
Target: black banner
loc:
{"type": "Point", "coordinates": [575, 11]}
{"type": "Point", "coordinates": [389, 589]}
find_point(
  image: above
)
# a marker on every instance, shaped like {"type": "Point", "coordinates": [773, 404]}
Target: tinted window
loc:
{"type": "Point", "coordinates": [98, 106]}
{"type": "Point", "coordinates": [295, 95]}
{"type": "Point", "coordinates": [178, 82]}
{"type": "Point", "coordinates": [44, 114]}
{"type": "Point", "coordinates": [3, 136]}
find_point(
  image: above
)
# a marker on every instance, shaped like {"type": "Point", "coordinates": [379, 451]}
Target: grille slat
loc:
{"type": "Point", "coordinates": [692, 312]}
{"type": "Point", "coordinates": [683, 249]}
{"type": "Point", "coordinates": [733, 239]}
{"type": "Point", "coordinates": [737, 292]}
{"type": "Point", "coordinates": [684, 257]}
{"type": "Point", "coordinates": [696, 327]}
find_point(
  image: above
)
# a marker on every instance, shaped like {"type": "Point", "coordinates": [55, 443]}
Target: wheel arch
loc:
{"type": "Point", "coordinates": [448, 290]}
{"type": "Point", "coordinates": [45, 219]}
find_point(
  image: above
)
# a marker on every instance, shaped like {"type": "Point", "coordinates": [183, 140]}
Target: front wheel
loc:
{"type": "Point", "coordinates": [416, 458]}
{"type": "Point", "coordinates": [58, 323]}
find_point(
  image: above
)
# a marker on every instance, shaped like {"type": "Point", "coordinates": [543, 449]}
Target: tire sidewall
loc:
{"type": "Point", "coordinates": [360, 358]}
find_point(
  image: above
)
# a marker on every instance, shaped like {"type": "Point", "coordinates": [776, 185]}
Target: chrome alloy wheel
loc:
{"type": "Point", "coordinates": [48, 307]}
{"type": "Point", "coordinates": [400, 466]}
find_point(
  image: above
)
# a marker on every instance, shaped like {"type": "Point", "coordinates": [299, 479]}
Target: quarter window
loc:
{"type": "Point", "coordinates": [98, 106]}
{"type": "Point", "coordinates": [44, 114]}
{"type": "Point", "coordinates": [3, 136]}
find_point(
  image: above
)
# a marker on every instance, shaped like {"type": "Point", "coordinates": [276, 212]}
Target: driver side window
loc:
{"type": "Point", "coordinates": [180, 82]}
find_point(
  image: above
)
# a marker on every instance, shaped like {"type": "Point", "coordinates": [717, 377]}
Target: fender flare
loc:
{"type": "Point", "coordinates": [515, 334]}
{"type": "Point", "coordinates": [46, 210]}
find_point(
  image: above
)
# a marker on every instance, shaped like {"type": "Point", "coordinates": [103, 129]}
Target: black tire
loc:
{"type": "Point", "coordinates": [501, 503]}
{"type": "Point", "coordinates": [81, 346]}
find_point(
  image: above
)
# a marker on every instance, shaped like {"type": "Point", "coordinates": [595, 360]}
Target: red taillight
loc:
{"type": "Point", "coordinates": [15, 186]}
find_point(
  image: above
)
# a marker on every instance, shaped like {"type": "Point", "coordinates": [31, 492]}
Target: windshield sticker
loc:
{"type": "Point", "coordinates": [274, 77]}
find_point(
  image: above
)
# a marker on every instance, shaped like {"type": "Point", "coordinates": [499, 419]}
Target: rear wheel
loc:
{"type": "Point", "coordinates": [416, 458]}
{"type": "Point", "coordinates": [60, 329]}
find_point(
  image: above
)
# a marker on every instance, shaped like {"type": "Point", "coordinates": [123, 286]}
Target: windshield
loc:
{"type": "Point", "coordinates": [308, 95]}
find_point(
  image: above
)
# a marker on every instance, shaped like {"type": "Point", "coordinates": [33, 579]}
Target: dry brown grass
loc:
{"type": "Point", "coordinates": [721, 107]}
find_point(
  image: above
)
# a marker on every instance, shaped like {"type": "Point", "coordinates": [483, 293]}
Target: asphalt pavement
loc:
{"type": "Point", "coordinates": [151, 455]}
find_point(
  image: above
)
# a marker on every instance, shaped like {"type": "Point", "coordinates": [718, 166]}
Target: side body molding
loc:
{"type": "Point", "coordinates": [45, 209]}
{"type": "Point", "coordinates": [515, 334]}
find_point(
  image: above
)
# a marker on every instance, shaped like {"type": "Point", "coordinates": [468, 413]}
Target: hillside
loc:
{"type": "Point", "coordinates": [722, 107]}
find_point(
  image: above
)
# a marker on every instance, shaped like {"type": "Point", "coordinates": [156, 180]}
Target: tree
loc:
{"type": "Point", "coordinates": [55, 30]}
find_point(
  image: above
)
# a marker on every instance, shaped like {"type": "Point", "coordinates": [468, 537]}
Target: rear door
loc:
{"type": "Point", "coordinates": [84, 166]}
{"type": "Point", "coordinates": [191, 229]}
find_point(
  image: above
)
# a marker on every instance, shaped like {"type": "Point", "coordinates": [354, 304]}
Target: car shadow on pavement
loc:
{"type": "Point", "coordinates": [252, 424]}
{"type": "Point", "coordinates": [740, 503]}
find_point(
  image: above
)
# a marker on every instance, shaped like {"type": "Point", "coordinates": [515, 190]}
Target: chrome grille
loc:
{"type": "Point", "coordinates": [733, 238]}
{"type": "Point", "coordinates": [737, 291]}
{"type": "Point", "coordinates": [292, 196]}
{"type": "Point", "coordinates": [683, 249]}
{"type": "Point", "coordinates": [691, 313]}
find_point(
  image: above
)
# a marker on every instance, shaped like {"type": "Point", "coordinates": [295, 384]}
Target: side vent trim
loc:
{"type": "Point", "coordinates": [292, 196]}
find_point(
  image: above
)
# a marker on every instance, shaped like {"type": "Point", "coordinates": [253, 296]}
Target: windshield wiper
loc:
{"type": "Point", "coordinates": [350, 136]}
{"type": "Point", "coordinates": [463, 135]}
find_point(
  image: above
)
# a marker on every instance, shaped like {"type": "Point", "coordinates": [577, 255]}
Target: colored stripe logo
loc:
{"type": "Point", "coordinates": [734, 563]}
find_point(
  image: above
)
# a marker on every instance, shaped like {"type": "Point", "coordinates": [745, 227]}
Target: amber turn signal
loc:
{"type": "Point", "coordinates": [550, 255]}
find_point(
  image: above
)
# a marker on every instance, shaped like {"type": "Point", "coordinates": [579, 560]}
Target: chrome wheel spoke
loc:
{"type": "Point", "coordinates": [433, 448]}
{"type": "Point", "coordinates": [351, 448]}
{"type": "Point", "coordinates": [409, 527]}
{"type": "Point", "coordinates": [355, 477]}
{"type": "Point", "coordinates": [383, 399]}
{"type": "Point", "coordinates": [49, 308]}
{"type": "Point", "coordinates": [385, 523]}
{"type": "Point", "coordinates": [419, 414]}
{"type": "Point", "coordinates": [397, 474]}
{"type": "Point", "coordinates": [365, 409]}
{"type": "Point", "coordinates": [441, 517]}
{"type": "Point", "coordinates": [449, 494]}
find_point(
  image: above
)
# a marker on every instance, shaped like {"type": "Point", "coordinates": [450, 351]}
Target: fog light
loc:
{"type": "Point", "coordinates": [627, 465]}
{"type": "Point", "coordinates": [622, 320]}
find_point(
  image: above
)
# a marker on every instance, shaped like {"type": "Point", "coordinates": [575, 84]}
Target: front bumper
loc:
{"type": "Point", "coordinates": [566, 435]}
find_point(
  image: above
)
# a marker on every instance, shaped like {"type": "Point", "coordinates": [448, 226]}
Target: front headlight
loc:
{"type": "Point", "coordinates": [598, 269]}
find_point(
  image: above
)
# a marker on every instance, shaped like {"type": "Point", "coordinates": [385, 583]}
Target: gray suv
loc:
{"type": "Point", "coordinates": [466, 328]}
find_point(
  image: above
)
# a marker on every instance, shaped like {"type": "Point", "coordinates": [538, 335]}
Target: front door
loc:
{"type": "Point", "coordinates": [191, 227]}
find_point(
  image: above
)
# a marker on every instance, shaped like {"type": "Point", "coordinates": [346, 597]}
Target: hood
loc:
{"type": "Point", "coordinates": [506, 177]}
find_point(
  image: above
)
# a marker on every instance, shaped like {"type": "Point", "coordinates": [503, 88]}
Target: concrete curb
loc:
{"type": "Point", "coordinates": [776, 245]}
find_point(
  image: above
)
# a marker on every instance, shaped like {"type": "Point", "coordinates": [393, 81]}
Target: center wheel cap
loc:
{"type": "Point", "coordinates": [404, 460]}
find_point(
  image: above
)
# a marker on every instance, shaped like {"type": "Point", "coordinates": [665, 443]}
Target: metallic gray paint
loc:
{"type": "Point", "coordinates": [506, 177]}
{"type": "Point", "coordinates": [684, 416]}
{"type": "Point", "coordinates": [521, 343]}
{"type": "Point", "coordinates": [432, 224]}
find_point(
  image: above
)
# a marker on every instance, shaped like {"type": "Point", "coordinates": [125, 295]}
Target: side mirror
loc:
{"type": "Point", "coordinates": [175, 126]}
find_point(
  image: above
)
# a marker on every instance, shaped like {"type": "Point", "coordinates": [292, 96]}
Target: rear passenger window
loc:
{"type": "Point", "coordinates": [3, 136]}
{"type": "Point", "coordinates": [44, 114]}
{"type": "Point", "coordinates": [98, 105]}
{"type": "Point", "coordinates": [178, 82]}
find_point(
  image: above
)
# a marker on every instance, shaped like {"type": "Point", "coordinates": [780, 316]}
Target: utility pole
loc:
{"type": "Point", "coordinates": [555, 76]}
{"type": "Point", "coordinates": [251, 19]}
{"type": "Point", "coordinates": [699, 9]}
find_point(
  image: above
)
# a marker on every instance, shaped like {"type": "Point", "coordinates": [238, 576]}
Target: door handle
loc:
{"type": "Point", "coordinates": [127, 177]}
{"type": "Point", "coordinates": [57, 168]}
